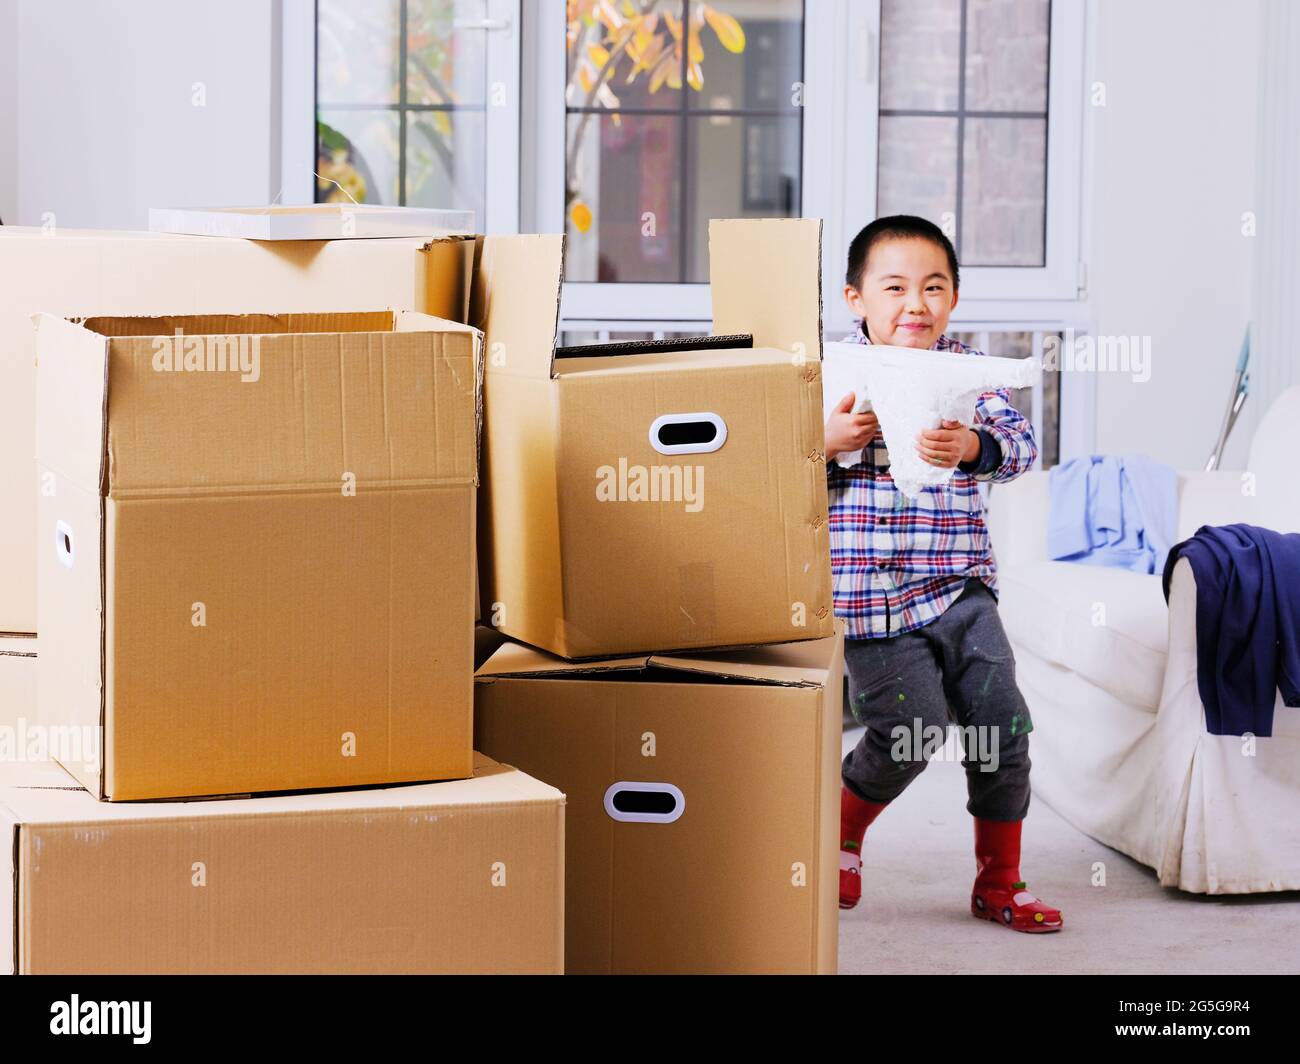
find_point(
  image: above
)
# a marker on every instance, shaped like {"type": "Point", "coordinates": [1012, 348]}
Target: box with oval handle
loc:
{"type": "Point", "coordinates": [702, 800]}
{"type": "Point", "coordinates": [657, 495]}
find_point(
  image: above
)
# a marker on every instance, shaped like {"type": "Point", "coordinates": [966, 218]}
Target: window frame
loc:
{"type": "Point", "coordinates": [1044, 295]}
{"type": "Point", "coordinates": [501, 23]}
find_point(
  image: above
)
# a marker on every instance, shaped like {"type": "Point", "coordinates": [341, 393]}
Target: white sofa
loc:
{"type": "Point", "coordinates": [1119, 745]}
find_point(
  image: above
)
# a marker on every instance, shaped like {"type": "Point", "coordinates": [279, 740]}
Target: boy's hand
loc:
{"type": "Point", "coordinates": [949, 445]}
{"type": "Point", "coordinates": [847, 431]}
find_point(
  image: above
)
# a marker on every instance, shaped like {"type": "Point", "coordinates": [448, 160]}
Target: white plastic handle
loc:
{"type": "Point", "coordinates": [627, 817]}
{"type": "Point", "coordinates": [707, 447]}
{"type": "Point", "coordinates": [63, 543]}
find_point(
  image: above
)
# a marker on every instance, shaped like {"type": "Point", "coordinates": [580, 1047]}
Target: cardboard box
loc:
{"type": "Point", "coordinates": [458, 877]}
{"type": "Point", "coordinates": [659, 500]}
{"type": "Point", "coordinates": [703, 801]}
{"type": "Point", "coordinates": [87, 272]}
{"type": "Point", "coordinates": [258, 578]}
{"type": "Point", "coordinates": [17, 681]}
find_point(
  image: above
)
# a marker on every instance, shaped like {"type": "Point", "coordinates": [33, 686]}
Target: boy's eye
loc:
{"type": "Point", "coordinates": [894, 288]}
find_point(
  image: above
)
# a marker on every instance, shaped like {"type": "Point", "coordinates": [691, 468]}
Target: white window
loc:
{"type": "Point", "coordinates": [977, 125]}
{"type": "Point", "coordinates": [414, 102]}
{"type": "Point", "coordinates": [628, 124]}
{"type": "Point", "coordinates": [965, 111]}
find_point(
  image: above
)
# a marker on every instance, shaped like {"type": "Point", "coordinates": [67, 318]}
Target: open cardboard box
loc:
{"type": "Point", "coordinates": [703, 797]}
{"type": "Point", "coordinates": [656, 499]}
{"type": "Point", "coordinates": [258, 577]}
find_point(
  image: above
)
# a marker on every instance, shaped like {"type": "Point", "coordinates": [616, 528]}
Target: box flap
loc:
{"type": "Point", "coordinates": [516, 303]}
{"type": "Point", "coordinates": [726, 667]}
{"type": "Point", "coordinates": [807, 663]}
{"type": "Point", "coordinates": [518, 660]}
{"type": "Point", "coordinates": [168, 325]}
{"type": "Point", "coordinates": [445, 275]}
{"type": "Point", "coordinates": [71, 401]}
{"type": "Point", "coordinates": [803, 664]}
{"type": "Point", "coordinates": [765, 276]}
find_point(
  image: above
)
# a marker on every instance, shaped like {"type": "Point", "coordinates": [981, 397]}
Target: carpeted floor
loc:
{"type": "Point", "coordinates": [917, 873]}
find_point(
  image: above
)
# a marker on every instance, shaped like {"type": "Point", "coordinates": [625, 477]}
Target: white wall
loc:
{"type": "Point", "coordinates": [108, 123]}
{"type": "Point", "coordinates": [1274, 361]}
{"type": "Point", "coordinates": [8, 111]}
{"type": "Point", "coordinates": [1173, 170]}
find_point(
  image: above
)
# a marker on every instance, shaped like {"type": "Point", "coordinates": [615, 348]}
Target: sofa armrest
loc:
{"type": "Point", "coordinates": [1017, 518]}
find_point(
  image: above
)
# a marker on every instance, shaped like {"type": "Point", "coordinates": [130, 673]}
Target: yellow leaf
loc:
{"type": "Point", "coordinates": [599, 55]}
{"type": "Point", "coordinates": [695, 77]}
{"type": "Point", "coordinates": [581, 215]}
{"type": "Point", "coordinates": [442, 123]}
{"type": "Point", "coordinates": [696, 47]}
{"type": "Point", "coordinates": [729, 31]}
{"type": "Point", "coordinates": [585, 79]}
{"type": "Point", "coordinates": [661, 73]}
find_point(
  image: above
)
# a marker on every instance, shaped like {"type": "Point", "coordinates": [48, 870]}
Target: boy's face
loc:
{"type": "Point", "coordinates": [907, 293]}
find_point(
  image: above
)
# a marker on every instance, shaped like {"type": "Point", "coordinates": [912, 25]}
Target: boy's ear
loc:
{"type": "Point", "coordinates": [854, 299]}
{"type": "Point", "coordinates": [955, 294]}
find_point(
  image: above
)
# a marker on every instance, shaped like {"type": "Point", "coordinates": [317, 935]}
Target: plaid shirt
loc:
{"type": "Point", "coordinates": [897, 563]}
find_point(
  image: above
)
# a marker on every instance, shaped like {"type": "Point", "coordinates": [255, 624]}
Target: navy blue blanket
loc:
{"type": "Point", "coordinates": [1247, 623]}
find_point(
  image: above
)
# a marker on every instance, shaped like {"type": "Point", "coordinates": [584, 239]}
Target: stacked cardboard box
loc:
{"type": "Point", "coordinates": [702, 800]}
{"type": "Point", "coordinates": [255, 548]}
{"type": "Point", "coordinates": [657, 500]}
{"type": "Point", "coordinates": [641, 505]}
{"type": "Point", "coordinates": [653, 521]}
{"type": "Point", "coordinates": [258, 577]}
{"type": "Point", "coordinates": [465, 876]}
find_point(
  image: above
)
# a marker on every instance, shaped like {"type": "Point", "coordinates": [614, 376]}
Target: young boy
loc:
{"type": "Point", "coordinates": [916, 582]}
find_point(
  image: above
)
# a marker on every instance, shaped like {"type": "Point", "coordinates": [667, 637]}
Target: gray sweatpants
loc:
{"type": "Point", "coordinates": [907, 688]}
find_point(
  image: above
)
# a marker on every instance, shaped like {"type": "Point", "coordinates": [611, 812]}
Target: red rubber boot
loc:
{"type": "Point", "coordinates": [999, 892]}
{"type": "Point", "coordinates": [856, 815]}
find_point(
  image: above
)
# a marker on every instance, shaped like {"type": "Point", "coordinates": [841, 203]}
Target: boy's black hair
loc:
{"type": "Point", "coordinates": [897, 227]}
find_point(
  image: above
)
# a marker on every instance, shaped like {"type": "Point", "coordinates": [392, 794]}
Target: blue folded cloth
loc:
{"type": "Point", "coordinates": [1106, 510]}
{"type": "Point", "coordinates": [1247, 623]}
